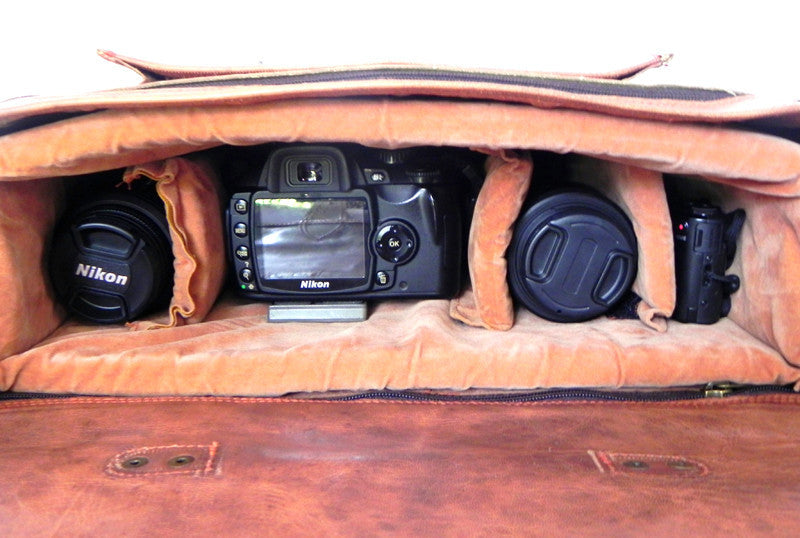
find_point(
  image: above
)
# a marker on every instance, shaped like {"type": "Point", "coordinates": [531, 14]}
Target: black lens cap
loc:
{"type": "Point", "coordinates": [111, 259]}
{"type": "Point", "coordinates": [573, 256]}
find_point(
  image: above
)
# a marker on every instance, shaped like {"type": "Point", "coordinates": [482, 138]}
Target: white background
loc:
{"type": "Point", "coordinates": [50, 49]}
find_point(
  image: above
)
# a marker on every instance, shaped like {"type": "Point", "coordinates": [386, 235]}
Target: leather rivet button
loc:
{"type": "Point", "coordinates": [195, 460]}
{"type": "Point", "coordinates": [636, 465]}
{"type": "Point", "coordinates": [180, 461]}
{"type": "Point", "coordinates": [135, 463]}
{"type": "Point", "coordinates": [682, 466]}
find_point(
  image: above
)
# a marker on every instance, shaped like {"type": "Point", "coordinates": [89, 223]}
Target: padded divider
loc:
{"type": "Point", "coordinates": [489, 303]}
{"type": "Point", "coordinates": [191, 195]}
{"type": "Point", "coordinates": [27, 215]}
{"type": "Point", "coordinates": [640, 194]}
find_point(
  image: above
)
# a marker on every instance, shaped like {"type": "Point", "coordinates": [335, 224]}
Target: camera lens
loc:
{"type": "Point", "coordinates": [572, 257]}
{"type": "Point", "coordinates": [309, 172]}
{"type": "Point", "coordinates": [111, 259]}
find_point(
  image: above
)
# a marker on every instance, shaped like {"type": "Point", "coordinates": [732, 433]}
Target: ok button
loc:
{"type": "Point", "coordinates": [395, 242]}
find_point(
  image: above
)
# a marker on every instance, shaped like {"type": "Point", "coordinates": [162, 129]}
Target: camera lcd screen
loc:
{"type": "Point", "coordinates": [318, 238]}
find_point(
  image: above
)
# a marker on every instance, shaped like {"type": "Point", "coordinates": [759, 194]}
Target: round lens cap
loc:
{"type": "Point", "coordinates": [572, 257]}
{"type": "Point", "coordinates": [111, 260]}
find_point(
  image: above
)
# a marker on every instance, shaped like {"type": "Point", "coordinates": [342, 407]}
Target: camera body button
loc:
{"type": "Point", "coordinates": [385, 278]}
{"type": "Point", "coordinates": [240, 206]}
{"type": "Point", "coordinates": [395, 242]}
{"type": "Point", "coordinates": [243, 253]}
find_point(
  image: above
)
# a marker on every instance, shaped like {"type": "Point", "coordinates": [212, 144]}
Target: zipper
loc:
{"type": "Point", "coordinates": [525, 397]}
{"type": "Point", "coordinates": [9, 396]}
{"type": "Point", "coordinates": [726, 389]}
{"type": "Point", "coordinates": [584, 86]}
{"type": "Point", "coordinates": [721, 390]}
{"type": "Point", "coordinates": [712, 390]}
{"type": "Point", "coordinates": [709, 391]}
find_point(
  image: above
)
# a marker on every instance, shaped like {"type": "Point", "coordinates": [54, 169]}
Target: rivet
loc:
{"type": "Point", "coordinates": [682, 465]}
{"type": "Point", "coordinates": [180, 461]}
{"type": "Point", "coordinates": [135, 463]}
{"type": "Point", "coordinates": [636, 464]}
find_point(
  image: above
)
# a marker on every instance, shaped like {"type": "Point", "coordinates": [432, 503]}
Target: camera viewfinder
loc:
{"type": "Point", "coordinates": [309, 172]}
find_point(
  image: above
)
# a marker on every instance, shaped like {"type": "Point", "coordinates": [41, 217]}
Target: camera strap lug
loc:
{"type": "Point", "coordinates": [730, 283]}
{"type": "Point", "coordinates": [734, 222]}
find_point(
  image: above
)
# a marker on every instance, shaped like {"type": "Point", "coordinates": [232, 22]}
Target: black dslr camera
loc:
{"type": "Point", "coordinates": [346, 222]}
{"type": "Point", "coordinates": [705, 245]}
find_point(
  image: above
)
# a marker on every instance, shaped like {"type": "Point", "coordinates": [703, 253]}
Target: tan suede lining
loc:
{"type": "Point", "coordinates": [117, 139]}
{"type": "Point", "coordinates": [766, 305]}
{"type": "Point", "coordinates": [640, 194]}
{"type": "Point", "coordinates": [401, 345]}
{"type": "Point", "coordinates": [507, 179]}
{"type": "Point", "coordinates": [192, 198]}
{"type": "Point", "coordinates": [27, 216]}
{"type": "Point", "coordinates": [414, 344]}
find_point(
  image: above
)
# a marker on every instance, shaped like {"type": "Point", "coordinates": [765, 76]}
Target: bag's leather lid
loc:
{"type": "Point", "coordinates": [153, 71]}
{"type": "Point", "coordinates": [236, 467]}
{"type": "Point", "coordinates": [176, 86]}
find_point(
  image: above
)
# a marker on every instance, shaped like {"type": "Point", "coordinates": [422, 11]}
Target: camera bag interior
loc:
{"type": "Point", "coordinates": [207, 400]}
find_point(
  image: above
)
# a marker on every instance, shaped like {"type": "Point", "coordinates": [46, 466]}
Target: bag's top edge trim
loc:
{"type": "Point", "coordinates": [154, 71]}
{"type": "Point", "coordinates": [611, 97]}
{"type": "Point", "coordinates": [415, 74]}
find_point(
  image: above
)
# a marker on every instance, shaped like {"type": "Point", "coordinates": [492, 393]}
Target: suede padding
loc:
{"type": "Point", "coordinates": [406, 345]}
{"type": "Point", "coordinates": [640, 194]}
{"type": "Point", "coordinates": [117, 139]}
{"type": "Point", "coordinates": [767, 261]}
{"type": "Point", "coordinates": [193, 202]}
{"type": "Point", "coordinates": [401, 345]}
{"type": "Point", "coordinates": [27, 216]}
{"type": "Point", "coordinates": [489, 305]}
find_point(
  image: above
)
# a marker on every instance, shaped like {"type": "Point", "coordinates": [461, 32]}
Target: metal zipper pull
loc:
{"type": "Point", "coordinates": [720, 389]}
